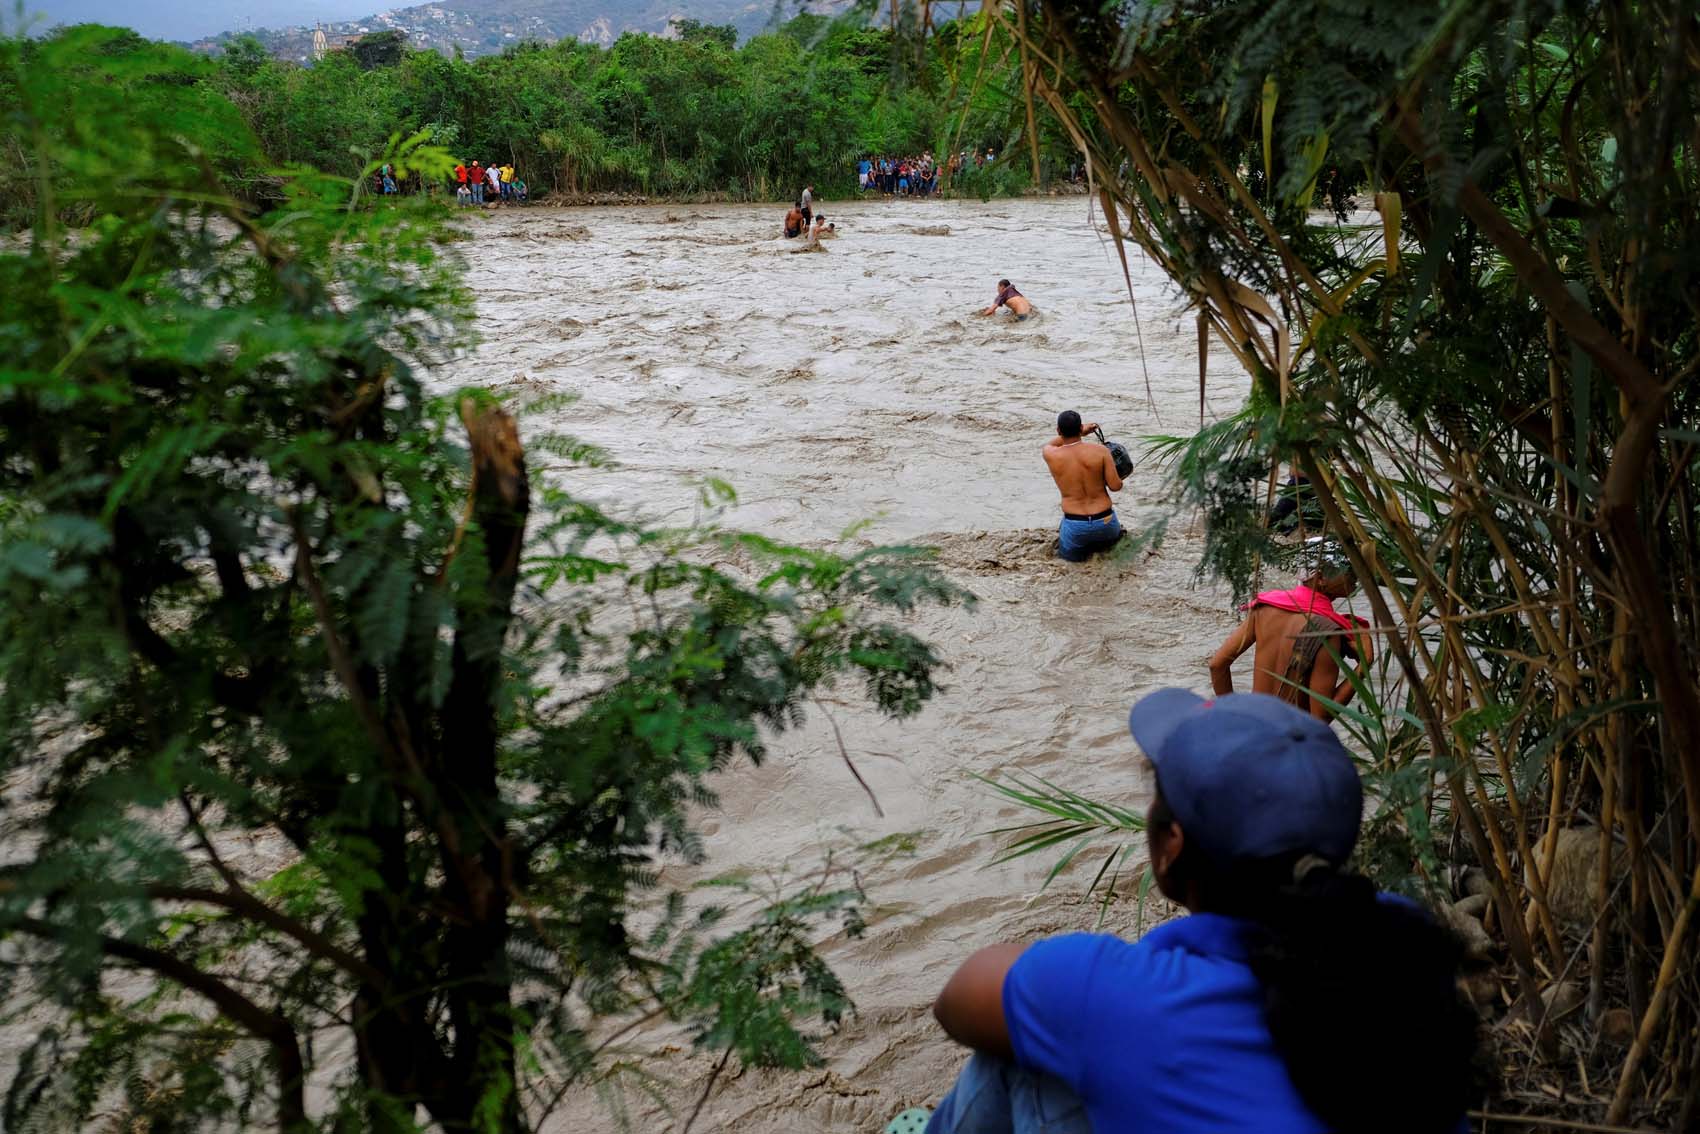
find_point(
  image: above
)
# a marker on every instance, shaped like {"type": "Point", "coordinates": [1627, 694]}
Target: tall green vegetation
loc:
{"type": "Point", "coordinates": [339, 745]}
{"type": "Point", "coordinates": [1491, 382]}
{"type": "Point", "coordinates": [695, 114]}
{"type": "Point", "coordinates": [691, 115]}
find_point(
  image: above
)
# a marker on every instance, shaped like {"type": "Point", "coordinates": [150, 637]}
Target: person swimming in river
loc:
{"type": "Point", "coordinates": [813, 234]}
{"type": "Point", "coordinates": [1086, 474]}
{"type": "Point", "coordinates": [1301, 641]}
{"type": "Point", "coordinates": [1019, 305]}
{"type": "Point", "coordinates": [794, 223]}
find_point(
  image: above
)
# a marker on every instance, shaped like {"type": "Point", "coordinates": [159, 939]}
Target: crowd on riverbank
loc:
{"type": "Point", "coordinates": [899, 177]}
{"type": "Point", "coordinates": [917, 176]}
{"type": "Point", "coordinates": [480, 184]}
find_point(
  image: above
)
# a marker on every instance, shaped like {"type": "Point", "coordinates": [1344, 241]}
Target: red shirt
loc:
{"type": "Point", "coordinates": [460, 174]}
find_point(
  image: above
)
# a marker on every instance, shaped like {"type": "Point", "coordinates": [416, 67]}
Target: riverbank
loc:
{"type": "Point", "coordinates": [615, 199]}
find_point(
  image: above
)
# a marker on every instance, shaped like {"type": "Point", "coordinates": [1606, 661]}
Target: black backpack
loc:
{"type": "Point", "coordinates": [1118, 454]}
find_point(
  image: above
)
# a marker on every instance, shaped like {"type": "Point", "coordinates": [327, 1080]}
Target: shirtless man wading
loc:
{"type": "Point", "coordinates": [1086, 475]}
{"type": "Point", "coordinates": [1297, 634]}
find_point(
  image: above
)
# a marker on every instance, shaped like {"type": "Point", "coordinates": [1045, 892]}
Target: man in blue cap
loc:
{"type": "Point", "coordinates": [1292, 1000]}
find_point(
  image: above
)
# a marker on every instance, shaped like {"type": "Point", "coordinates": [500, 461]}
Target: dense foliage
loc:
{"type": "Point", "coordinates": [1490, 381]}
{"type": "Point", "coordinates": [339, 747]}
{"type": "Point", "coordinates": [692, 115]}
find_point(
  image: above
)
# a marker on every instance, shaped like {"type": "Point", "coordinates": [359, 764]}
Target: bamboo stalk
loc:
{"type": "Point", "coordinates": [1027, 90]}
{"type": "Point", "coordinates": [1655, 1009]}
{"type": "Point", "coordinates": [1362, 553]}
{"type": "Point", "coordinates": [1608, 818]}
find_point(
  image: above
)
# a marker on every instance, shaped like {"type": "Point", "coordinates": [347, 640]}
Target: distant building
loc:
{"type": "Point", "coordinates": [324, 44]}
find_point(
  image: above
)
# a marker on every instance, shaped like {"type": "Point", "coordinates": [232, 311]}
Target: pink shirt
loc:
{"type": "Point", "coordinates": [1303, 600]}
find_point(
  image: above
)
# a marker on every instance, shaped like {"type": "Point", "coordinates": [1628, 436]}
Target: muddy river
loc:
{"type": "Point", "coordinates": [856, 384]}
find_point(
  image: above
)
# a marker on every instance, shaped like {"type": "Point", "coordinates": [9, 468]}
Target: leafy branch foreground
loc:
{"type": "Point", "coordinates": [337, 746]}
{"type": "Point", "coordinates": [1490, 382]}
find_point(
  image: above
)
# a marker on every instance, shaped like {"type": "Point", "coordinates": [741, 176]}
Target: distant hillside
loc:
{"type": "Point", "coordinates": [482, 27]}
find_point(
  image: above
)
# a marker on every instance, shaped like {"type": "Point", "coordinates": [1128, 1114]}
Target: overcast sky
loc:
{"type": "Point", "coordinates": [191, 19]}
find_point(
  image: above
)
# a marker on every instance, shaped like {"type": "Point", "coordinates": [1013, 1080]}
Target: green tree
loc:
{"type": "Point", "coordinates": [379, 49]}
{"type": "Point", "coordinates": [98, 73]}
{"type": "Point", "coordinates": [695, 31]}
{"type": "Point", "coordinates": [338, 743]}
{"type": "Point", "coordinates": [686, 115]}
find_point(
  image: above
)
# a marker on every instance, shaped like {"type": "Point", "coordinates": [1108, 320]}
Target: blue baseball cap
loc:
{"type": "Point", "coordinates": [1249, 776]}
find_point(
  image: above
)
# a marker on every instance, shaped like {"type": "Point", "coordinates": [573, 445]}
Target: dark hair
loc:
{"type": "Point", "coordinates": [1361, 996]}
{"type": "Point", "coordinates": [1333, 580]}
{"type": "Point", "coordinates": [1068, 423]}
{"type": "Point", "coordinates": [1003, 283]}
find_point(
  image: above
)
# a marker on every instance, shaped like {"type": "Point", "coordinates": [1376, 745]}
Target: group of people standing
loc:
{"type": "Point", "coordinates": [899, 177]}
{"type": "Point", "coordinates": [917, 176]}
{"type": "Point", "coordinates": [1293, 997]}
{"type": "Point", "coordinates": [802, 220]}
{"type": "Point", "coordinates": [480, 184]}
{"type": "Point", "coordinates": [1302, 643]}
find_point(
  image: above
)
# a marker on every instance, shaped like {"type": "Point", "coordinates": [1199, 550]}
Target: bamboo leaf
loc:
{"type": "Point", "coordinates": [1389, 205]}
{"type": "Point", "coordinates": [1271, 91]}
{"type": "Point", "coordinates": [1067, 858]}
{"type": "Point", "coordinates": [1109, 890]}
{"type": "Point", "coordinates": [1145, 883]}
{"type": "Point", "coordinates": [1037, 843]}
{"type": "Point", "coordinates": [1315, 153]}
{"type": "Point", "coordinates": [1203, 359]}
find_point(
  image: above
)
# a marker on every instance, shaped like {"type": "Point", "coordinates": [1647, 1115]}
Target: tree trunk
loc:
{"type": "Point", "coordinates": [394, 1045]}
{"type": "Point", "coordinates": [478, 881]}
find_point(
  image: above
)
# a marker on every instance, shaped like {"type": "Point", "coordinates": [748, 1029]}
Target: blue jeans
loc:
{"type": "Point", "coordinates": [995, 1097]}
{"type": "Point", "coordinates": [477, 194]}
{"type": "Point", "coordinates": [1078, 539]}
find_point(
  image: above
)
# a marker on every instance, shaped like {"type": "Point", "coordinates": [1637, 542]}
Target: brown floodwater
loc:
{"type": "Point", "coordinates": [852, 385]}
{"type": "Point", "coordinates": [832, 388]}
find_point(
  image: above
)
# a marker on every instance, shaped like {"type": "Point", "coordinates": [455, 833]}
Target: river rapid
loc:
{"type": "Point", "coordinates": [856, 384]}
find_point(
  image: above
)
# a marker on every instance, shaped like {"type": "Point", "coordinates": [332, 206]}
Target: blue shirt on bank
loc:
{"type": "Point", "coordinates": [1163, 1033]}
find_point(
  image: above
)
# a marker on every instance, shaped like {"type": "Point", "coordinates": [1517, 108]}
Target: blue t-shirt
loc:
{"type": "Point", "coordinates": [1165, 1033]}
